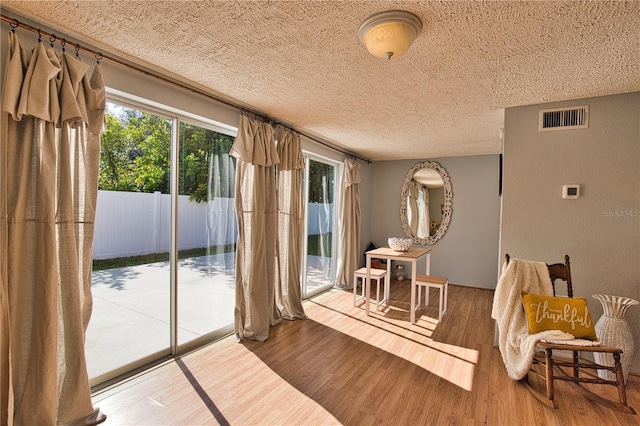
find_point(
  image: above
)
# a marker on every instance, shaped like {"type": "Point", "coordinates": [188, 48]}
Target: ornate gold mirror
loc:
{"type": "Point", "coordinates": [425, 205]}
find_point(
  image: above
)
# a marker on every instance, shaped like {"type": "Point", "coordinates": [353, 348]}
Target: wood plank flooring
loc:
{"type": "Point", "coordinates": [342, 367]}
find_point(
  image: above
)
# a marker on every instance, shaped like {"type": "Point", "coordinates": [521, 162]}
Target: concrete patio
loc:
{"type": "Point", "coordinates": [130, 318]}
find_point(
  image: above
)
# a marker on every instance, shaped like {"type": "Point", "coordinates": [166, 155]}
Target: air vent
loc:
{"type": "Point", "coordinates": [564, 119]}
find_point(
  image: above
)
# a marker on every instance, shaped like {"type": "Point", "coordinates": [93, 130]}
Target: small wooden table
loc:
{"type": "Point", "coordinates": [413, 255]}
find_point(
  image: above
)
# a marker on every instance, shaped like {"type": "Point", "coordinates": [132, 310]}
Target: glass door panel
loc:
{"type": "Point", "coordinates": [207, 233]}
{"type": "Point", "coordinates": [131, 273]}
{"type": "Point", "coordinates": [320, 239]}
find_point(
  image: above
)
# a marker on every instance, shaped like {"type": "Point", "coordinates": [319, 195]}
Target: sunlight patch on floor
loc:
{"type": "Point", "coordinates": [452, 363]}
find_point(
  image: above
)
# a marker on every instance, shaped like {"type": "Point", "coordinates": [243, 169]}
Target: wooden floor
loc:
{"type": "Point", "coordinates": [342, 367]}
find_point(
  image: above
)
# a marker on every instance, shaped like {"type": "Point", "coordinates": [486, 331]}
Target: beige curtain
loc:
{"type": "Point", "coordinates": [290, 224]}
{"type": "Point", "coordinates": [269, 241]}
{"type": "Point", "coordinates": [53, 114]}
{"type": "Point", "coordinates": [350, 224]}
{"type": "Point", "coordinates": [412, 205]}
{"type": "Point", "coordinates": [256, 211]}
{"type": "Point", "coordinates": [425, 218]}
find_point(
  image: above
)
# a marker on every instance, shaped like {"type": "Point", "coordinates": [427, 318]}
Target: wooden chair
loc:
{"type": "Point", "coordinates": [576, 369]}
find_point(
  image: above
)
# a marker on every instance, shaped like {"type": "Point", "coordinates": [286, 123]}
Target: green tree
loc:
{"type": "Point", "coordinates": [204, 163]}
{"type": "Point", "coordinates": [135, 156]}
{"type": "Point", "coordinates": [135, 152]}
{"type": "Point", "coordinates": [321, 182]}
{"type": "Point", "coordinates": [114, 156]}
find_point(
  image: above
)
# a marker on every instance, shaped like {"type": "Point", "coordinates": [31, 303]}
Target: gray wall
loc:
{"type": "Point", "coordinates": [600, 231]}
{"type": "Point", "coordinates": [468, 252]}
{"type": "Point", "coordinates": [367, 195]}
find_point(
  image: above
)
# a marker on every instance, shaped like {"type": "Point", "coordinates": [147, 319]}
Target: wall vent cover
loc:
{"type": "Point", "coordinates": [564, 118]}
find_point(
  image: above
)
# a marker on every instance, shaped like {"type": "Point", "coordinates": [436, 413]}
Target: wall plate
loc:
{"type": "Point", "coordinates": [571, 192]}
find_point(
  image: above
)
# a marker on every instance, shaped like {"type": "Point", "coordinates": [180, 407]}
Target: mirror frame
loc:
{"type": "Point", "coordinates": [447, 209]}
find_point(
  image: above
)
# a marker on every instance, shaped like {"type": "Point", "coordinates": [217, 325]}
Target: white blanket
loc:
{"type": "Point", "coordinates": [517, 346]}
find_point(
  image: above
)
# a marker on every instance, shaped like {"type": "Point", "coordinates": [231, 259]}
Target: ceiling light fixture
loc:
{"type": "Point", "coordinates": [389, 34]}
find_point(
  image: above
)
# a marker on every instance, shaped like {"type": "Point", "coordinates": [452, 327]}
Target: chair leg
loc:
{"type": "Point", "coordinates": [622, 393]}
{"type": "Point", "coordinates": [441, 300]}
{"type": "Point", "coordinates": [357, 297]}
{"type": "Point", "coordinates": [548, 365]}
{"type": "Point", "coordinates": [355, 290]}
{"type": "Point", "coordinates": [387, 289]}
{"type": "Point", "coordinates": [446, 294]}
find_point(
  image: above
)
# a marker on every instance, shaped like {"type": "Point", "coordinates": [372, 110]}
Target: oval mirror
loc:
{"type": "Point", "coordinates": [425, 205]}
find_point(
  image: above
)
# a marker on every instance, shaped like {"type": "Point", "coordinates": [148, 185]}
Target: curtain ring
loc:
{"type": "Point", "coordinates": [62, 43]}
{"type": "Point", "coordinates": [78, 51]}
{"type": "Point", "coordinates": [14, 25]}
{"type": "Point", "coordinates": [98, 57]}
{"type": "Point", "coordinates": [39, 35]}
{"type": "Point", "coordinates": [52, 39]}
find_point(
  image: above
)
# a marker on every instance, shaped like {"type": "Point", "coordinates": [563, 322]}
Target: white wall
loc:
{"type": "Point", "coordinates": [468, 252]}
{"type": "Point", "coordinates": [600, 231]}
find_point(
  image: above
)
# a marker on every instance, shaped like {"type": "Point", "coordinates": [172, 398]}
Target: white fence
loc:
{"type": "Point", "coordinates": [133, 223]}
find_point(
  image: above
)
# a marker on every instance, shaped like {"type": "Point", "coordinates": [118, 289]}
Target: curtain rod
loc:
{"type": "Point", "coordinates": [14, 23]}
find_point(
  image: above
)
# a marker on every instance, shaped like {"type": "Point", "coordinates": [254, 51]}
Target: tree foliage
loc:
{"type": "Point", "coordinates": [321, 182]}
{"type": "Point", "coordinates": [136, 153]}
{"type": "Point", "coordinates": [206, 169]}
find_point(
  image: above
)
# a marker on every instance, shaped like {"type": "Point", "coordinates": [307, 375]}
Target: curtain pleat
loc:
{"type": "Point", "coordinates": [255, 143]}
{"type": "Point", "coordinates": [351, 224]}
{"type": "Point", "coordinates": [290, 225]}
{"type": "Point", "coordinates": [54, 113]}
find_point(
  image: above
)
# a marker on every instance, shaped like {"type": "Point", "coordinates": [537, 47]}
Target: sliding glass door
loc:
{"type": "Point", "coordinates": [319, 263]}
{"type": "Point", "coordinates": [165, 237]}
{"type": "Point", "coordinates": [131, 273]}
{"type": "Point", "coordinates": [207, 233]}
{"type": "Point", "coordinates": [164, 245]}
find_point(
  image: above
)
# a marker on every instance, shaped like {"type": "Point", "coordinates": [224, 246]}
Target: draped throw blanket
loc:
{"type": "Point", "coordinates": [517, 346]}
{"type": "Point", "coordinates": [268, 261]}
{"type": "Point", "coordinates": [350, 220]}
{"type": "Point", "coordinates": [52, 114]}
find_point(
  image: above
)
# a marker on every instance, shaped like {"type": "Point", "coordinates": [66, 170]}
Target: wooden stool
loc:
{"type": "Point", "coordinates": [428, 281]}
{"type": "Point", "coordinates": [376, 274]}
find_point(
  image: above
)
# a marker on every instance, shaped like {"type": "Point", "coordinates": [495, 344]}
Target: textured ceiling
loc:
{"type": "Point", "coordinates": [301, 63]}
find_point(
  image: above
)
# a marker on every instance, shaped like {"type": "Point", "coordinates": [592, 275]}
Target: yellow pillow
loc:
{"type": "Point", "coordinates": [570, 315]}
